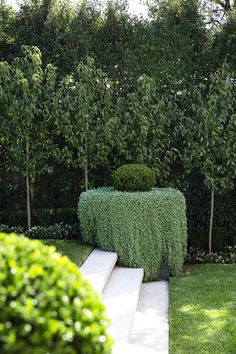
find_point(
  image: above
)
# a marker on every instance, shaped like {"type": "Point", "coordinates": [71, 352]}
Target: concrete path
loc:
{"type": "Point", "coordinates": [151, 323]}
{"type": "Point", "coordinates": [120, 296]}
{"type": "Point", "coordinates": [139, 312]}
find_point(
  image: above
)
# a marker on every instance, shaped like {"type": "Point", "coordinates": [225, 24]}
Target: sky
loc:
{"type": "Point", "coordinates": [136, 7]}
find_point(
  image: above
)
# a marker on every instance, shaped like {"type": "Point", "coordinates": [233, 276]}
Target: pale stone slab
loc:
{"type": "Point", "coordinates": [124, 348]}
{"type": "Point", "coordinates": [98, 267]}
{"type": "Point", "coordinates": [120, 297]}
{"type": "Point", "coordinates": [151, 323]}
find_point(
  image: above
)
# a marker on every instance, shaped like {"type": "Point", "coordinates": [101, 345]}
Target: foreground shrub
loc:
{"type": "Point", "coordinates": [145, 229]}
{"type": "Point", "coordinates": [133, 178]}
{"type": "Point", "coordinates": [45, 304]}
{"type": "Point", "coordinates": [196, 255]}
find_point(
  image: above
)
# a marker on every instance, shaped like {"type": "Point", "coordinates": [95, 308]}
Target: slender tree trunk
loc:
{"type": "Point", "coordinates": [28, 186]}
{"type": "Point", "coordinates": [86, 174]}
{"type": "Point", "coordinates": [211, 222]}
{"type": "Point", "coordinates": [86, 165]}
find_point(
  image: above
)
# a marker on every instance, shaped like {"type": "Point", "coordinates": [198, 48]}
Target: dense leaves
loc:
{"type": "Point", "coordinates": [46, 305]}
{"type": "Point", "coordinates": [134, 178]}
{"type": "Point", "coordinates": [144, 228]}
{"type": "Point", "coordinates": [157, 91]}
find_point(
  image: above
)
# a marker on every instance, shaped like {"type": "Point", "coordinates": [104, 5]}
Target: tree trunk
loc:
{"type": "Point", "coordinates": [86, 164]}
{"type": "Point", "coordinates": [28, 186]}
{"type": "Point", "coordinates": [211, 222]}
{"type": "Point", "coordinates": [86, 174]}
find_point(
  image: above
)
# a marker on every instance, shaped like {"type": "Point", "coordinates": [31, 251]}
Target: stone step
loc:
{"type": "Point", "coordinates": [98, 267]}
{"type": "Point", "coordinates": [120, 296]}
{"type": "Point", "coordinates": [124, 348]}
{"type": "Point", "coordinates": [151, 322]}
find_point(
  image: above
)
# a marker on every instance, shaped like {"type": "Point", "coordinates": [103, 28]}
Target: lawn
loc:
{"type": "Point", "coordinates": [203, 310]}
{"type": "Point", "coordinates": [76, 251]}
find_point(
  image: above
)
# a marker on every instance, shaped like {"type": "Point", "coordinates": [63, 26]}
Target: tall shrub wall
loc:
{"type": "Point", "coordinates": [144, 228]}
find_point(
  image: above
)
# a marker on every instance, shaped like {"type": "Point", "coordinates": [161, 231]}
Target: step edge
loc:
{"type": "Point", "coordinates": [139, 282]}
{"type": "Point", "coordinates": [105, 274]}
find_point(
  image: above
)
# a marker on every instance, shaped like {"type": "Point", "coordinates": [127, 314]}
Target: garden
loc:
{"type": "Point", "coordinates": [118, 133]}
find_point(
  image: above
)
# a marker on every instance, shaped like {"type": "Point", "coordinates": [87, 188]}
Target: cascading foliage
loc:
{"type": "Point", "coordinates": [146, 229]}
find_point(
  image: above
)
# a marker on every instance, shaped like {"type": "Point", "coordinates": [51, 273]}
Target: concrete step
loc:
{"type": "Point", "coordinates": [124, 348]}
{"type": "Point", "coordinates": [98, 267]}
{"type": "Point", "coordinates": [151, 322]}
{"type": "Point", "coordinates": [120, 296]}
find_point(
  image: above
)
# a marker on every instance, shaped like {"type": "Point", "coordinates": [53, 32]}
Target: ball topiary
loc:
{"type": "Point", "coordinates": [133, 178]}
{"type": "Point", "coordinates": [45, 304]}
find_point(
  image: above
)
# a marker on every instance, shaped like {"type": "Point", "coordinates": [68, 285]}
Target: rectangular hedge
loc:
{"type": "Point", "coordinates": [144, 228]}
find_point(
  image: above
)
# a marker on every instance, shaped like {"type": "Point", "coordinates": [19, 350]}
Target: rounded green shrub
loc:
{"type": "Point", "coordinates": [133, 178]}
{"type": "Point", "coordinates": [45, 304]}
{"type": "Point", "coordinates": [145, 229]}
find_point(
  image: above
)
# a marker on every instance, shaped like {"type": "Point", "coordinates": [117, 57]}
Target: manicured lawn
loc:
{"type": "Point", "coordinates": [76, 251]}
{"type": "Point", "coordinates": [203, 310]}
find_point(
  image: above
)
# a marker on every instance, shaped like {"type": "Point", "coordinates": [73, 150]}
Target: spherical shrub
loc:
{"type": "Point", "coordinates": [133, 178]}
{"type": "Point", "coordinates": [45, 304]}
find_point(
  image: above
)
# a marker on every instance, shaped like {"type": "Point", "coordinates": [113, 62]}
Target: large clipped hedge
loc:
{"type": "Point", "coordinates": [45, 304]}
{"type": "Point", "coordinates": [144, 228]}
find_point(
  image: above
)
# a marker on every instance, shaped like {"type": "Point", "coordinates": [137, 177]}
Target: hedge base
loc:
{"type": "Point", "coordinates": [146, 229]}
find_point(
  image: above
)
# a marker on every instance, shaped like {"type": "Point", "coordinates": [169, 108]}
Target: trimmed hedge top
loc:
{"type": "Point", "coordinates": [45, 304]}
{"type": "Point", "coordinates": [145, 229]}
{"type": "Point", "coordinates": [133, 178]}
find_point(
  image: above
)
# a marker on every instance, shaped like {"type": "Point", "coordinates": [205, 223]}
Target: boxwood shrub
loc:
{"type": "Point", "coordinates": [45, 304]}
{"type": "Point", "coordinates": [133, 178]}
{"type": "Point", "coordinates": [144, 228]}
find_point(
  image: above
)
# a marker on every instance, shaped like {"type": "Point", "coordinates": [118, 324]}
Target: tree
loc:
{"type": "Point", "coordinates": [84, 117]}
{"type": "Point", "coordinates": [209, 134]}
{"type": "Point", "coordinates": [27, 90]}
{"type": "Point", "coordinates": [7, 30]}
{"type": "Point", "coordinates": [144, 128]}
{"type": "Point", "coordinates": [176, 45]}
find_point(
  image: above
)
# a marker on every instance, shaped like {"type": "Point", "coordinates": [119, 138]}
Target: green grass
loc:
{"type": "Point", "coordinates": [203, 310]}
{"type": "Point", "coordinates": [76, 251]}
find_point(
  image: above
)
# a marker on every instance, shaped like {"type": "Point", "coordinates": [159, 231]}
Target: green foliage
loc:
{"type": "Point", "coordinates": [133, 178]}
{"type": "Point", "coordinates": [46, 305]}
{"type": "Point", "coordinates": [196, 255]}
{"type": "Point", "coordinates": [209, 132]}
{"type": "Point", "coordinates": [84, 111]}
{"type": "Point", "coordinates": [11, 229]}
{"type": "Point", "coordinates": [145, 229]}
{"type": "Point", "coordinates": [26, 90]}
{"type": "Point", "coordinates": [58, 231]}
{"type": "Point", "coordinates": [144, 130]}
{"type": "Point", "coordinates": [40, 217]}
{"type": "Point", "coordinates": [7, 29]}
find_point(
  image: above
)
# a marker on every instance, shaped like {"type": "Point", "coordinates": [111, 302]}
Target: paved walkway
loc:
{"type": "Point", "coordinates": [151, 323]}
{"type": "Point", "coordinates": [139, 312]}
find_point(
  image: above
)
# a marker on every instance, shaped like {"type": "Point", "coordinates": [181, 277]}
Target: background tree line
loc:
{"type": "Point", "coordinates": [159, 91]}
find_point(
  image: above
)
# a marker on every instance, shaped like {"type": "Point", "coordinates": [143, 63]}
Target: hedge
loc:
{"type": "Point", "coordinates": [58, 231]}
{"type": "Point", "coordinates": [45, 304]}
{"type": "Point", "coordinates": [134, 178]}
{"type": "Point", "coordinates": [196, 255]}
{"type": "Point", "coordinates": [146, 229]}
{"type": "Point", "coordinates": [40, 217]}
